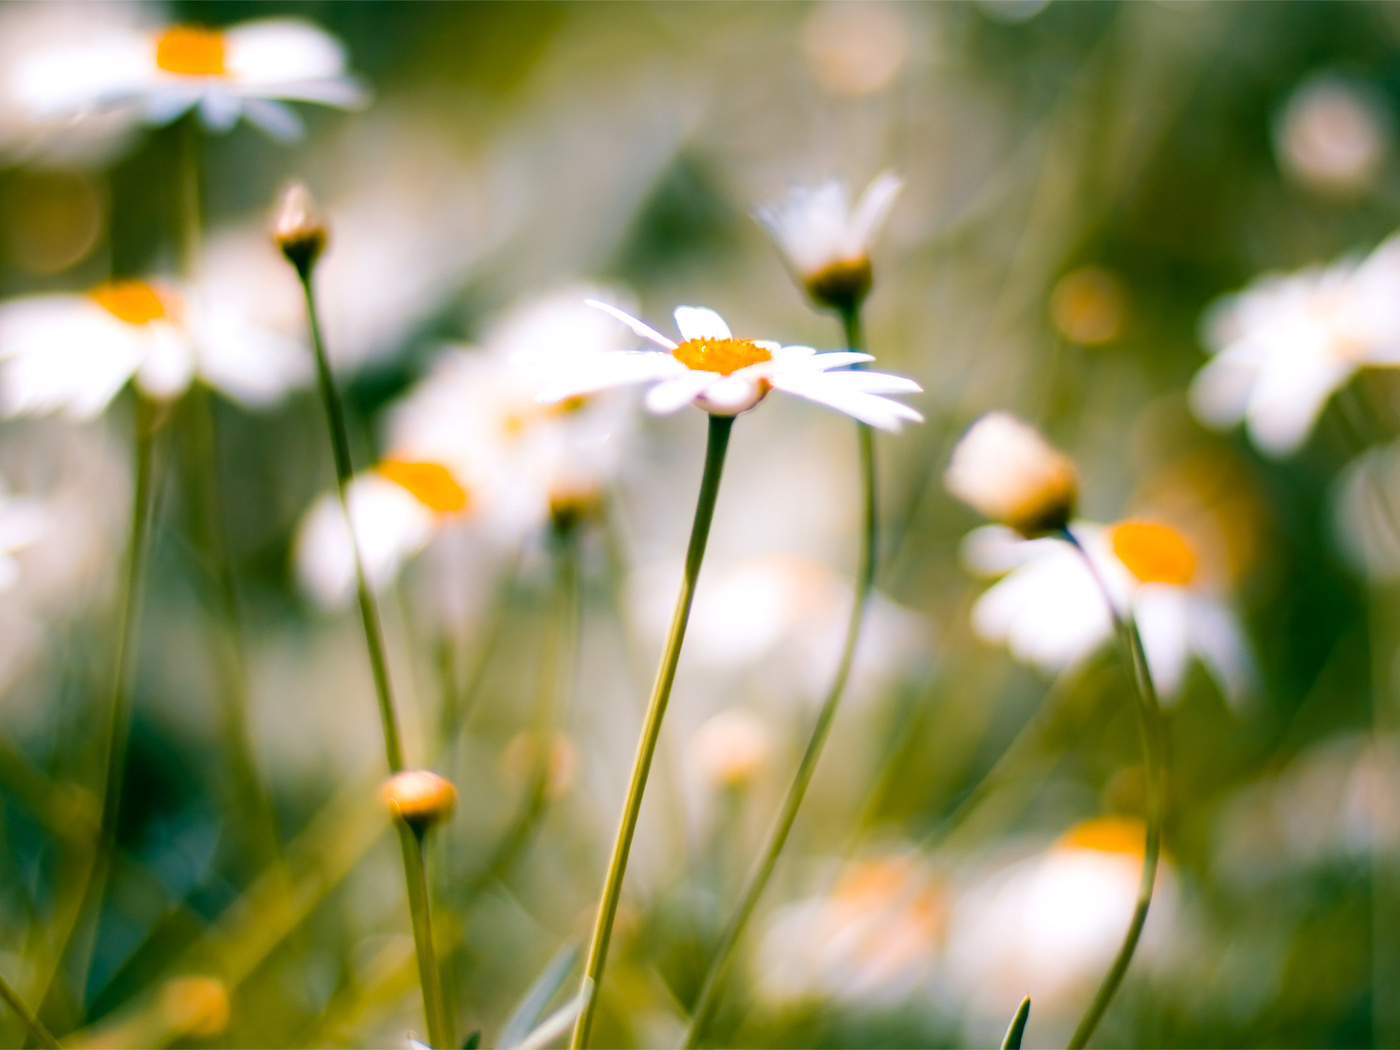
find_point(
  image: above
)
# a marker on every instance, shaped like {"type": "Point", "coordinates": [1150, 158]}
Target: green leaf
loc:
{"type": "Point", "coordinates": [1012, 1041]}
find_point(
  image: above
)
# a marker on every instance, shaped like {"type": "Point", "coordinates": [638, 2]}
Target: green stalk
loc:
{"type": "Point", "coordinates": [708, 998]}
{"type": "Point", "coordinates": [434, 1002]}
{"type": "Point", "coordinates": [344, 473]}
{"type": "Point", "coordinates": [718, 444]}
{"type": "Point", "coordinates": [1152, 732]}
{"type": "Point", "coordinates": [38, 1034]}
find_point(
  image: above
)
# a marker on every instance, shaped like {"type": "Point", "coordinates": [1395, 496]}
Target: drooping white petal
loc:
{"type": "Point", "coordinates": [1163, 617]}
{"type": "Point", "coordinates": [219, 109]}
{"type": "Point", "coordinates": [1219, 641]}
{"type": "Point", "coordinates": [729, 395]}
{"type": "Point", "coordinates": [830, 389]}
{"type": "Point", "coordinates": [677, 392]}
{"type": "Point", "coordinates": [1288, 398]}
{"type": "Point", "coordinates": [169, 363]}
{"type": "Point", "coordinates": [278, 120]}
{"type": "Point", "coordinates": [837, 359]}
{"type": "Point", "coordinates": [697, 322]}
{"type": "Point", "coordinates": [64, 352]}
{"type": "Point", "coordinates": [640, 327]}
{"type": "Point", "coordinates": [250, 365]}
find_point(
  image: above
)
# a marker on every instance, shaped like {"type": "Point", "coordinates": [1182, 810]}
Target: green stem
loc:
{"type": "Point", "coordinates": [435, 1005]}
{"type": "Point", "coordinates": [191, 228]}
{"type": "Point", "coordinates": [38, 1034]}
{"type": "Point", "coordinates": [708, 997]}
{"type": "Point", "coordinates": [1153, 737]}
{"type": "Point", "coordinates": [344, 473]}
{"type": "Point", "coordinates": [718, 444]}
{"type": "Point", "coordinates": [430, 976]}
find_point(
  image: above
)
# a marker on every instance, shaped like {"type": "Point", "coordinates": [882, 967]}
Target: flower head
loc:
{"type": "Point", "coordinates": [1006, 470]}
{"type": "Point", "coordinates": [300, 228]}
{"type": "Point", "coordinates": [1285, 344]}
{"type": "Point", "coordinates": [826, 241]}
{"type": "Point", "coordinates": [73, 353]}
{"type": "Point", "coordinates": [419, 797]}
{"type": "Point", "coordinates": [713, 370]}
{"type": "Point", "coordinates": [249, 70]}
{"type": "Point", "coordinates": [1050, 611]}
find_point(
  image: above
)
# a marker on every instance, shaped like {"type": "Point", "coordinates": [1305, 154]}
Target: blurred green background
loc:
{"type": "Point", "coordinates": [1138, 151]}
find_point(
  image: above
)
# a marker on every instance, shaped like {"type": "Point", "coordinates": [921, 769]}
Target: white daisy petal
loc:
{"type": "Point", "coordinates": [677, 392]}
{"type": "Point", "coordinates": [610, 370]}
{"type": "Point", "coordinates": [640, 327]}
{"type": "Point", "coordinates": [696, 322]}
{"type": "Point", "coordinates": [872, 211]}
{"type": "Point", "coordinates": [278, 120]}
{"type": "Point", "coordinates": [827, 389]}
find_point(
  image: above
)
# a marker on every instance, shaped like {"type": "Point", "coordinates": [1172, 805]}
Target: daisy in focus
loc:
{"type": "Point", "coordinates": [713, 370]}
{"type": "Point", "coordinates": [1284, 345]}
{"type": "Point", "coordinates": [72, 353]}
{"type": "Point", "coordinates": [247, 71]}
{"type": "Point", "coordinates": [1050, 612]}
{"type": "Point", "coordinates": [826, 241]}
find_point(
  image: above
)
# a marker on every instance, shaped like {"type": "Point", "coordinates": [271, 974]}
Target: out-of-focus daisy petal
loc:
{"type": "Point", "coordinates": [270, 52]}
{"type": "Point", "coordinates": [872, 210]}
{"type": "Point", "coordinates": [1163, 617]}
{"type": "Point", "coordinates": [617, 369]}
{"type": "Point", "coordinates": [696, 322]}
{"type": "Point", "coordinates": [278, 120]}
{"type": "Point", "coordinates": [1217, 638]}
{"type": "Point", "coordinates": [169, 364]}
{"type": "Point", "coordinates": [1287, 400]}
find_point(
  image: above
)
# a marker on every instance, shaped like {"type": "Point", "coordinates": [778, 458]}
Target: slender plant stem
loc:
{"type": "Point", "coordinates": [435, 1004]}
{"type": "Point", "coordinates": [1154, 753]}
{"type": "Point", "coordinates": [708, 998]}
{"type": "Point", "coordinates": [38, 1034]}
{"type": "Point", "coordinates": [344, 472]}
{"type": "Point", "coordinates": [434, 1001]}
{"type": "Point", "coordinates": [718, 444]}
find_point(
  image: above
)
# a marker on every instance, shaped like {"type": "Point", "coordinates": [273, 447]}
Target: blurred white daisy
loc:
{"type": "Point", "coordinates": [876, 937]}
{"type": "Point", "coordinates": [23, 521]}
{"type": "Point", "coordinates": [1007, 471]}
{"type": "Point", "coordinates": [396, 509]}
{"type": "Point", "coordinates": [1049, 925]}
{"type": "Point", "coordinates": [1366, 512]}
{"type": "Point", "coordinates": [1284, 345]}
{"type": "Point", "coordinates": [249, 70]}
{"type": "Point", "coordinates": [826, 241]}
{"type": "Point", "coordinates": [73, 353]}
{"type": "Point", "coordinates": [723, 375]}
{"type": "Point", "coordinates": [1050, 612]}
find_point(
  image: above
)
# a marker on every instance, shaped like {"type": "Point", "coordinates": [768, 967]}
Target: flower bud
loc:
{"type": "Point", "coordinates": [842, 285]}
{"type": "Point", "coordinates": [1006, 470]}
{"type": "Point", "coordinates": [419, 797]}
{"type": "Point", "coordinates": [300, 228]}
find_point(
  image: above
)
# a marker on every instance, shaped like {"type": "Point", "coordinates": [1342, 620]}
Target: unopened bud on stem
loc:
{"type": "Point", "coordinates": [1006, 470]}
{"type": "Point", "coordinates": [419, 797]}
{"type": "Point", "coordinates": [300, 228]}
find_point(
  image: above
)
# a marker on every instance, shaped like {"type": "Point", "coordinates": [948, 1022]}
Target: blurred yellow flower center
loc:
{"type": "Point", "coordinates": [724, 356]}
{"type": "Point", "coordinates": [1154, 553]}
{"type": "Point", "coordinates": [134, 302]}
{"type": "Point", "coordinates": [1107, 835]}
{"type": "Point", "coordinates": [430, 483]}
{"type": "Point", "coordinates": [191, 50]}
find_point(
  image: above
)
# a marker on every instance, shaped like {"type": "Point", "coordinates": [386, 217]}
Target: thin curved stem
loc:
{"type": "Point", "coordinates": [435, 1006]}
{"type": "Point", "coordinates": [717, 445]}
{"type": "Point", "coordinates": [38, 1034]}
{"type": "Point", "coordinates": [708, 998]}
{"type": "Point", "coordinates": [1153, 737]}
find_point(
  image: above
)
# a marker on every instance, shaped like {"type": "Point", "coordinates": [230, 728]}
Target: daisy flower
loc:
{"type": "Point", "coordinates": [713, 370]}
{"type": "Point", "coordinates": [1050, 924]}
{"type": "Point", "coordinates": [826, 241]}
{"type": "Point", "coordinates": [249, 70]}
{"type": "Point", "coordinates": [396, 509]}
{"type": "Point", "coordinates": [1284, 345]}
{"type": "Point", "coordinates": [1050, 612]}
{"type": "Point", "coordinates": [73, 353]}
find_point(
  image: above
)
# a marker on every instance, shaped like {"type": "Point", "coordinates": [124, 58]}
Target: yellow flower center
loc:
{"type": "Point", "coordinates": [1154, 553]}
{"type": "Point", "coordinates": [724, 356]}
{"type": "Point", "coordinates": [191, 50]}
{"type": "Point", "coordinates": [430, 483]}
{"type": "Point", "coordinates": [134, 302]}
{"type": "Point", "coordinates": [1107, 835]}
